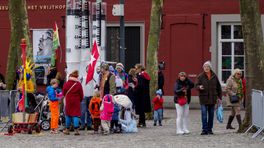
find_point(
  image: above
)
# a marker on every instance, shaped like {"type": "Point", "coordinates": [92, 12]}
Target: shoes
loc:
{"type": "Point", "coordinates": [229, 126]}
{"type": "Point", "coordinates": [210, 132]}
{"type": "Point", "coordinates": [204, 132]}
{"type": "Point", "coordinates": [54, 131]}
{"type": "Point", "coordinates": [155, 124]}
{"type": "Point", "coordinates": [186, 131]}
{"type": "Point", "coordinates": [160, 124]}
{"type": "Point", "coordinates": [82, 128]}
{"type": "Point", "coordinates": [179, 132]}
{"type": "Point", "coordinates": [66, 132]}
{"type": "Point", "coordinates": [89, 128]}
{"type": "Point", "coordinates": [76, 132]}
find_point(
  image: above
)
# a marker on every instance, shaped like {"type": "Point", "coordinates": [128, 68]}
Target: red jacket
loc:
{"type": "Point", "coordinates": [73, 98]}
{"type": "Point", "coordinates": [158, 103]}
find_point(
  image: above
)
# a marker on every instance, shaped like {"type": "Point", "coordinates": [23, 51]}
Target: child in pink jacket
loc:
{"type": "Point", "coordinates": [107, 109]}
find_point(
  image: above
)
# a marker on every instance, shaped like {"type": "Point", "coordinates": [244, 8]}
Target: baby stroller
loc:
{"type": "Point", "coordinates": [128, 124]}
{"type": "Point", "coordinates": [44, 113]}
{"type": "Point", "coordinates": [43, 109]}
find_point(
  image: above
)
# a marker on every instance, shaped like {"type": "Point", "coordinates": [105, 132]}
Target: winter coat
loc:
{"type": "Point", "coordinates": [231, 88]}
{"type": "Point", "coordinates": [74, 97]}
{"type": "Point", "coordinates": [107, 108]}
{"type": "Point", "coordinates": [94, 107]}
{"type": "Point", "coordinates": [161, 81]}
{"type": "Point", "coordinates": [158, 103]}
{"type": "Point", "coordinates": [116, 112]}
{"type": "Point", "coordinates": [132, 82]}
{"type": "Point", "coordinates": [180, 86]}
{"type": "Point", "coordinates": [212, 88]}
{"type": "Point", "coordinates": [51, 93]}
{"type": "Point", "coordinates": [107, 84]}
{"type": "Point", "coordinates": [142, 99]}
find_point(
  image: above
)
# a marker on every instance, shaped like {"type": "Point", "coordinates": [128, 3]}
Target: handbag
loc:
{"type": "Point", "coordinates": [234, 99]}
{"type": "Point", "coordinates": [182, 100]}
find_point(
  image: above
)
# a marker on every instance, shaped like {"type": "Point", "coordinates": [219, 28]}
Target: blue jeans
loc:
{"type": "Point", "coordinates": [85, 112]}
{"type": "Point", "coordinates": [207, 111]}
{"type": "Point", "coordinates": [158, 115]}
{"type": "Point", "coordinates": [74, 119]}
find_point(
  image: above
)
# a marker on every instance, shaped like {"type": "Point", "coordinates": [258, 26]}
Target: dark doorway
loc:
{"type": "Point", "coordinates": [132, 44]}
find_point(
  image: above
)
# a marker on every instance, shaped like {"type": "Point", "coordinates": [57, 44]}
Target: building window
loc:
{"type": "Point", "coordinates": [230, 50]}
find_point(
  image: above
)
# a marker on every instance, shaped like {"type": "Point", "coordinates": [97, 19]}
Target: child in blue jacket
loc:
{"type": "Point", "coordinates": [115, 126]}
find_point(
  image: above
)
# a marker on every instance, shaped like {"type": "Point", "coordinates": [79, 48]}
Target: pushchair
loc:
{"type": "Point", "coordinates": [44, 112]}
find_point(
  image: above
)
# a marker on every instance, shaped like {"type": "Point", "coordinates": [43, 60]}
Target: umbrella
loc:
{"type": "Point", "coordinates": [123, 100]}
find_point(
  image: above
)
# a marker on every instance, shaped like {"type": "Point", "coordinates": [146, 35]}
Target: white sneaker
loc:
{"type": "Point", "coordinates": [179, 132]}
{"type": "Point", "coordinates": [186, 131]}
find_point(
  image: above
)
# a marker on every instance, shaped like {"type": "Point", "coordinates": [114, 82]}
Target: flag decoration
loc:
{"type": "Point", "coordinates": [55, 45]}
{"type": "Point", "coordinates": [94, 57]}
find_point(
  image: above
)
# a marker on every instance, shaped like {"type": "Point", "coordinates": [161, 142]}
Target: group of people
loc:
{"type": "Point", "coordinates": [100, 109]}
{"type": "Point", "coordinates": [210, 93]}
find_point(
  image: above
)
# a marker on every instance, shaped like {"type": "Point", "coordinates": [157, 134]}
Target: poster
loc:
{"type": "Point", "coordinates": [42, 51]}
{"type": "Point", "coordinates": [42, 45]}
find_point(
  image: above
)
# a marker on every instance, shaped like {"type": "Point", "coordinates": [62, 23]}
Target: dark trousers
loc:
{"type": "Point", "coordinates": [96, 123]}
{"type": "Point", "coordinates": [207, 113]}
{"type": "Point", "coordinates": [114, 123]}
{"type": "Point", "coordinates": [142, 118]}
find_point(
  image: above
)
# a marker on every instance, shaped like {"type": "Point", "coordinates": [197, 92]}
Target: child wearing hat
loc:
{"type": "Point", "coordinates": [158, 107]}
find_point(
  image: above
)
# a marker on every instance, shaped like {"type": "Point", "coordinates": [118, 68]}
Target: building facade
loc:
{"type": "Point", "coordinates": [192, 32]}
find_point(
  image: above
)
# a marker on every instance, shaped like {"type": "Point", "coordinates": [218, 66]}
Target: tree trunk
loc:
{"type": "Point", "coordinates": [153, 44]}
{"type": "Point", "coordinates": [253, 43]}
{"type": "Point", "coordinates": [19, 29]}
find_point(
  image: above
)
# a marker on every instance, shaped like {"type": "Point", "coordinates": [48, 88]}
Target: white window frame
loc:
{"type": "Point", "coordinates": [232, 40]}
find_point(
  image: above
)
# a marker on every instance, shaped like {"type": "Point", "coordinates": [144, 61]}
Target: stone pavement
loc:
{"type": "Point", "coordinates": [149, 137]}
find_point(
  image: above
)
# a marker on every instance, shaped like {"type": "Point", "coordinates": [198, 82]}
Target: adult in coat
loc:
{"type": "Point", "coordinates": [142, 99]}
{"type": "Point", "coordinates": [107, 81]}
{"type": "Point", "coordinates": [234, 86]}
{"type": "Point", "coordinates": [210, 90]}
{"type": "Point", "coordinates": [182, 88]}
{"type": "Point", "coordinates": [132, 83]}
{"type": "Point", "coordinates": [73, 92]}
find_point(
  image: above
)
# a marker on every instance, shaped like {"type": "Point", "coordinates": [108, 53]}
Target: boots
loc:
{"type": "Point", "coordinates": [239, 123]}
{"type": "Point", "coordinates": [230, 120]}
{"type": "Point", "coordinates": [66, 131]}
{"type": "Point", "coordinates": [76, 132]}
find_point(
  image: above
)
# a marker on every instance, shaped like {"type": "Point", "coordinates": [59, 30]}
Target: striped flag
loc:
{"type": "Point", "coordinates": [56, 44]}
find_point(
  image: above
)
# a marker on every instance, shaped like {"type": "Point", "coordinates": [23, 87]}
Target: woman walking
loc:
{"type": "Point", "coordinates": [234, 87]}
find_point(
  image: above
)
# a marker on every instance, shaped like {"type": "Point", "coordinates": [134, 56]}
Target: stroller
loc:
{"type": "Point", "coordinates": [44, 112]}
{"type": "Point", "coordinates": [128, 124]}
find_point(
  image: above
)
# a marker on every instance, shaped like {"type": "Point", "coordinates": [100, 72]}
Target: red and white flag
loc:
{"type": "Point", "coordinates": [95, 55]}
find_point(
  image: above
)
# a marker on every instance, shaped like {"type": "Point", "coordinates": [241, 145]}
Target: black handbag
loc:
{"type": "Point", "coordinates": [234, 99]}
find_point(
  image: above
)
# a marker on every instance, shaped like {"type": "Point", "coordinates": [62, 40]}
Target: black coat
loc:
{"type": "Point", "coordinates": [212, 89]}
{"type": "Point", "coordinates": [161, 81]}
{"type": "Point", "coordinates": [142, 99]}
{"type": "Point", "coordinates": [131, 91]}
{"type": "Point", "coordinates": [180, 86]}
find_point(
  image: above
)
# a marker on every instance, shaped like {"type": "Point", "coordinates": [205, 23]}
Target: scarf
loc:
{"type": "Point", "coordinates": [239, 93]}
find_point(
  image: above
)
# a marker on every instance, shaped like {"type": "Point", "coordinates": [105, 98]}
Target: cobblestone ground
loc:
{"type": "Point", "coordinates": [148, 137]}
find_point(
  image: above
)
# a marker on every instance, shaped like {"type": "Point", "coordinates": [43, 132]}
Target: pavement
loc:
{"type": "Point", "coordinates": [149, 137]}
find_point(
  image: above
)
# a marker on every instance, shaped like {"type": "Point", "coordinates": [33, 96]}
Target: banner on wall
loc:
{"type": "Point", "coordinates": [42, 53]}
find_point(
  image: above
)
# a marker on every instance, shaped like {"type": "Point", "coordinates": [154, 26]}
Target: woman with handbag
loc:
{"type": "Point", "coordinates": [182, 99]}
{"type": "Point", "coordinates": [234, 88]}
{"type": "Point", "coordinates": [73, 92]}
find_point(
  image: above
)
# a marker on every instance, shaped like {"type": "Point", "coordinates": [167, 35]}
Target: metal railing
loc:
{"type": "Point", "coordinates": [257, 112]}
{"type": "Point", "coordinates": [8, 101]}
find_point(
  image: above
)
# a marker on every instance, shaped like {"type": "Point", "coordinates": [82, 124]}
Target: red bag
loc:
{"type": "Point", "coordinates": [182, 100]}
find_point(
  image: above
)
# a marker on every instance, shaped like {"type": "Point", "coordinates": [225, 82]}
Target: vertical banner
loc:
{"type": "Point", "coordinates": [42, 51]}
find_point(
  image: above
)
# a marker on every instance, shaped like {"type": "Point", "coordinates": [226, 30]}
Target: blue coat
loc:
{"type": "Point", "coordinates": [116, 112]}
{"type": "Point", "coordinates": [51, 93]}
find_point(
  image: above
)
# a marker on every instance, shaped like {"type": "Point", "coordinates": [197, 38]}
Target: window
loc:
{"type": "Point", "coordinates": [230, 50]}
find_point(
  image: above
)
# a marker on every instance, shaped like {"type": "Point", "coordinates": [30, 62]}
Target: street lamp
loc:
{"type": "Point", "coordinates": [23, 46]}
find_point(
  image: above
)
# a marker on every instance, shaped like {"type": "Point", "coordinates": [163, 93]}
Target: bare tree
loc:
{"type": "Point", "coordinates": [153, 44]}
{"type": "Point", "coordinates": [19, 29]}
{"type": "Point", "coordinates": [254, 52]}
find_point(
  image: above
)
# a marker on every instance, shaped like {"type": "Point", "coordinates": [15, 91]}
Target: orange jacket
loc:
{"type": "Point", "coordinates": [94, 107]}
